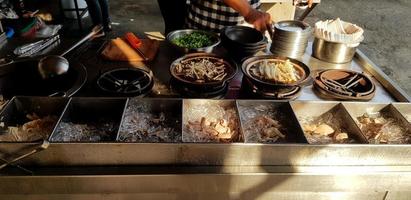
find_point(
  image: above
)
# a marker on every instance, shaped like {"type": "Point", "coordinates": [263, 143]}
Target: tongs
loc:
{"type": "Point", "coordinates": [44, 145]}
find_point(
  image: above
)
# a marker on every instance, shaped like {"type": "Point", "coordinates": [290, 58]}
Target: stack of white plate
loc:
{"type": "Point", "coordinates": [290, 38]}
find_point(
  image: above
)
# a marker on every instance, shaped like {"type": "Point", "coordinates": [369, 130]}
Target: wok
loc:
{"type": "Point", "coordinates": [22, 78]}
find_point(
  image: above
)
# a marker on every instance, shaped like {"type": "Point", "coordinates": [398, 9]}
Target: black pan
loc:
{"type": "Point", "coordinates": [22, 78]}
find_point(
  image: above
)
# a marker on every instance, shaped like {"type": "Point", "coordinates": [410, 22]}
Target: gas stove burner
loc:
{"type": "Point", "coordinates": [196, 92]}
{"type": "Point", "coordinates": [344, 85]}
{"type": "Point", "coordinates": [126, 82]}
{"type": "Point", "coordinates": [249, 90]}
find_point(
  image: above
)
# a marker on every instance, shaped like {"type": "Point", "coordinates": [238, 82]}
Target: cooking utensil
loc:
{"type": "Point", "coordinates": [22, 78]}
{"type": "Point", "coordinates": [231, 70]}
{"type": "Point", "coordinates": [54, 65]}
{"type": "Point", "coordinates": [44, 145]}
{"type": "Point", "coordinates": [33, 48]}
{"type": "Point", "coordinates": [179, 33]}
{"type": "Point", "coordinates": [303, 69]}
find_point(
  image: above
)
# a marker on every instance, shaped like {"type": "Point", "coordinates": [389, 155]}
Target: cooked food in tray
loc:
{"type": "Point", "coordinates": [264, 129]}
{"type": "Point", "coordinates": [210, 122]}
{"type": "Point", "coordinates": [324, 131]}
{"type": "Point", "coordinates": [276, 70]}
{"type": "Point", "coordinates": [76, 132]}
{"type": "Point", "coordinates": [380, 129]}
{"type": "Point", "coordinates": [142, 125]}
{"type": "Point", "coordinates": [202, 69]}
{"type": "Point", "coordinates": [193, 40]}
{"type": "Point", "coordinates": [36, 129]}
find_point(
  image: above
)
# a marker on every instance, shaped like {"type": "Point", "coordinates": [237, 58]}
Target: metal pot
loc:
{"type": "Point", "coordinates": [300, 66]}
{"type": "Point", "coordinates": [332, 52]}
{"type": "Point", "coordinates": [231, 71]}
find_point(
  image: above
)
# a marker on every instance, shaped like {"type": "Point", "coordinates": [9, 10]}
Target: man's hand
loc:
{"type": "Point", "coordinates": [260, 20]}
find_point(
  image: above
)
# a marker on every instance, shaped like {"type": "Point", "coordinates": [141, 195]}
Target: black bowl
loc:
{"type": "Point", "coordinates": [243, 36]}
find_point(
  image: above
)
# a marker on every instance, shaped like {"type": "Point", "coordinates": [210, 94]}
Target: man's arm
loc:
{"type": "Point", "coordinates": [260, 20]}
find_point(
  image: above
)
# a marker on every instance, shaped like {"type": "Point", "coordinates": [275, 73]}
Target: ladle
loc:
{"type": "Point", "coordinates": [54, 65]}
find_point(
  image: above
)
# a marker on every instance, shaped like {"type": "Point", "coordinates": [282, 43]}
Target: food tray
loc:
{"type": "Point", "coordinates": [100, 115]}
{"type": "Point", "coordinates": [333, 114]}
{"type": "Point", "coordinates": [280, 111]}
{"type": "Point", "coordinates": [16, 111]}
{"type": "Point", "coordinates": [210, 111]}
{"type": "Point", "coordinates": [237, 152]}
{"type": "Point", "coordinates": [163, 117]}
{"type": "Point", "coordinates": [380, 110]}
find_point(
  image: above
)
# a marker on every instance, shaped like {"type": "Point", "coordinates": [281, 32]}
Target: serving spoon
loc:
{"type": "Point", "coordinates": [54, 65]}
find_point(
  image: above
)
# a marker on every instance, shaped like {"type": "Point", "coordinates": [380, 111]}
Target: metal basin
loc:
{"type": "Point", "coordinates": [332, 52]}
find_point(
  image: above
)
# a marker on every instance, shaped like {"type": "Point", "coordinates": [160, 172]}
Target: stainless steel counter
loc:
{"type": "Point", "coordinates": [217, 171]}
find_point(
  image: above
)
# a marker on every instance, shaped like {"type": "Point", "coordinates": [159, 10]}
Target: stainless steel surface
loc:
{"type": "Point", "coordinates": [53, 65]}
{"type": "Point", "coordinates": [332, 52]}
{"type": "Point", "coordinates": [386, 89]}
{"type": "Point", "coordinates": [178, 33]}
{"type": "Point", "coordinates": [43, 146]}
{"type": "Point", "coordinates": [219, 183]}
{"type": "Point", "coordinates": [404, 109]}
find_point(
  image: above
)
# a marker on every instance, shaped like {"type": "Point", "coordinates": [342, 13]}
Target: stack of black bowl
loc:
{"type": "Point", "coordinates": [242, 41]}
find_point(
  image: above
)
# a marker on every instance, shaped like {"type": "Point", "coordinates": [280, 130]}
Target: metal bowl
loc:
{"type": "Point", "coordinates": [332, 52]}
{"type": "Point", "coordinates": [301, 67]}
{"type": "Point", "coordinates": [178, 33]}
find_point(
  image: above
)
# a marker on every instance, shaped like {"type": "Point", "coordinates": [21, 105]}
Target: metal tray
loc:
{"type": "Point", "coordinates": [331, 113]}
{"type": "Point", "coordinates": [280, 111]}
{"type": "Point", "coordinates": [139, 110]}
{"type": "Point", "coordinates": [15, 112]}
{"type": "Point", "coordinates": [190, 104]}
{"type": "Point", "coordinates": [387, 110]}
{"type": "Point", "coordinates": [96, 112]}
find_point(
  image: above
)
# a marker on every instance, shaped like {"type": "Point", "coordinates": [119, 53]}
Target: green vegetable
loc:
{"type": "Point", "coordinates": [193, 40]}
